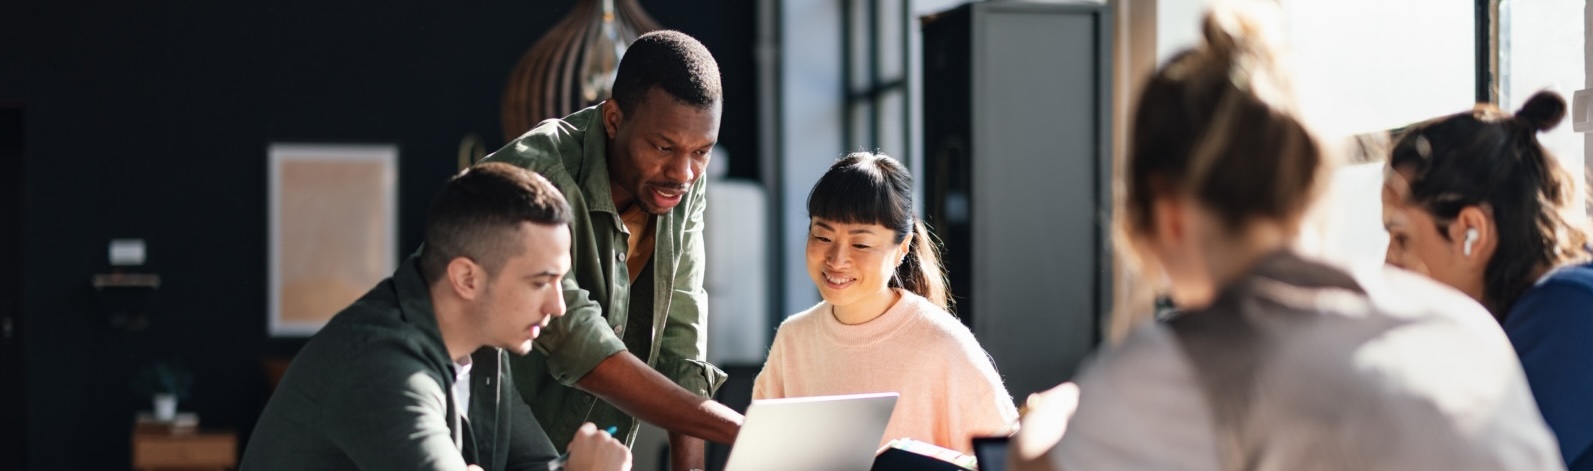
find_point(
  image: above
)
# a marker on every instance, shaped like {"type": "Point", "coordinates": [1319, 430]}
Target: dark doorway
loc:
{"type": "Point", "coordinates": [13, 436]}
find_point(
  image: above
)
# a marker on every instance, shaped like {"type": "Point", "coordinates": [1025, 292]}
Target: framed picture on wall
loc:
{"type": "Point", "coordinates": [333, 229]}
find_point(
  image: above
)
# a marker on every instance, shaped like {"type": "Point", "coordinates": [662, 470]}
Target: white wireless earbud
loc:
{"type": "Point", "coordinates": [1471, 238]}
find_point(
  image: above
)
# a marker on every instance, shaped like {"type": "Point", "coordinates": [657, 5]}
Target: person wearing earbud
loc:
{"type": "Point", "coordinates": [1474, 201]}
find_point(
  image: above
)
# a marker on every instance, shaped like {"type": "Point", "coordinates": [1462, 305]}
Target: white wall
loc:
{"type": "Point", "coordinates": [1360, 66]}
{"type": "Point", "coordinates": [811, 105]}
{"type": "Point", "coordinates": [1177, 26]}
{"type": "Point", "coordinates": [1368, 66]}
{"type": "Point", "coordinates": [1541, 50]}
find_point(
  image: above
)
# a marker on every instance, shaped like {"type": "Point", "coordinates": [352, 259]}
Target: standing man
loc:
{"type": "Point", "coordinates": [414, 375]}
{"type": "Point", "coordinates": [632, 343]}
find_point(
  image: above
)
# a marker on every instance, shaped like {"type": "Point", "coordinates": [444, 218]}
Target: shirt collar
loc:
{"type": "Point", "coordinates": [462, 368]}
{"type": "Point", "coordinates": [594, 179]}
{"type": "Point", "coordinates": [414, 300]}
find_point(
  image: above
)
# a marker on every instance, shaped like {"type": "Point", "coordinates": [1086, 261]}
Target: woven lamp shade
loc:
{"type": "Point", "coordinates": [573, 65]}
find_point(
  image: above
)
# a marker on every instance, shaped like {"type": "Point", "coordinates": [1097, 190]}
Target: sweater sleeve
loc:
{"type": "Point", "coordinates": [983, 406]}
{"type": "Point", "coordinates": [1549, 329]}
{"type": "Point", "coordinates": [990, 411]}
{"type": "Point", "coordinates": [770, 384]}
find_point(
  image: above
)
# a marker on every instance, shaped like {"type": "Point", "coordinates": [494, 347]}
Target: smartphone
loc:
{"type": "Point", "coordinates": [991, 452]}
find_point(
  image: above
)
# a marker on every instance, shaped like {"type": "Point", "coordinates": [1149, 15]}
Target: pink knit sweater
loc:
{"type": "Point", "coordinates": [949, 390]}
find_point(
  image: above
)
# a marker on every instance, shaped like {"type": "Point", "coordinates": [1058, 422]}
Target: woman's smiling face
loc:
{"type": "Point", "coordinates": [852, 262]}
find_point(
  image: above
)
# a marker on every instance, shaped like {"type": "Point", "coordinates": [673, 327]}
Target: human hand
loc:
{"type": "Point", "coordinates": [1060, 400]}
{"type": "Point", "coordinates": [596, 450]}
{"type": "Point", "coordinates": [474, 468]}
{"type": "Point", "coordinates": [1045, 419]}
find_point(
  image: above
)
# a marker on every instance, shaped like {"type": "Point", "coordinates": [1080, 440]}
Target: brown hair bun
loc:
{"type": "Point", "coordinates": [1543, 111]}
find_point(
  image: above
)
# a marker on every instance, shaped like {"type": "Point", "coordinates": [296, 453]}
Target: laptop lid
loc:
{"type": "Point", "coordinates": [839, 433]}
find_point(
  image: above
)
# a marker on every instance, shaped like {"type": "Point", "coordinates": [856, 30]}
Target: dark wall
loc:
{"type": "Point", "coordinates": [13, 429]}
{"type": "Point", "coordinates": [151, 120]}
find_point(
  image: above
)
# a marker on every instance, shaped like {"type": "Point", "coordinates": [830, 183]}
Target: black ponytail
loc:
{"type": "Point", "coordinates": [920, 271]}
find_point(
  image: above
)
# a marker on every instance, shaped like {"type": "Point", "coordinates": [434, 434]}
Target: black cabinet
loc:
{"type": "Point", "coordinates": [1017, 177]}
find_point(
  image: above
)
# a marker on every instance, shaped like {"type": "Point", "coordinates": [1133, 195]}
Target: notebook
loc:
{"type": "Point", "coordinates": [906, 454]}
{"type": "Point", "coordinates": [833, 433]}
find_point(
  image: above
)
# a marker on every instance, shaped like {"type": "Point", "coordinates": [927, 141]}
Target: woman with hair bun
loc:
{"type": "Point", "coordinates": [1473, 200]}
{"type": "Point", "coordinates": [1275, 361]}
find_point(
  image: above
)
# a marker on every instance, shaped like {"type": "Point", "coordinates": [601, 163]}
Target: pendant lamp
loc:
{"type": "Point", "coordinates": [573, 65]}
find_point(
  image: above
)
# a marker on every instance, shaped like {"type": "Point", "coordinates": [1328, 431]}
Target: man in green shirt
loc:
{"type": "Point", "coordinates": [414, 375]}
{"type": "Point", "coordinates": [633, 341]}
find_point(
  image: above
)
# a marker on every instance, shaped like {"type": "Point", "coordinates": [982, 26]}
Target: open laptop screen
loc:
{"type": "Point", "coordinates": [812, 433]}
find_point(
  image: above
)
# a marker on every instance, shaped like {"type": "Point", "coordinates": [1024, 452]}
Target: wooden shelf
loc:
{"type": "Point", "coordinates": [198, 450]}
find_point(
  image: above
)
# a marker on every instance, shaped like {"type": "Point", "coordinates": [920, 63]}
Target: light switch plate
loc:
{"type": "Point", "coordinates": [1581, 113]}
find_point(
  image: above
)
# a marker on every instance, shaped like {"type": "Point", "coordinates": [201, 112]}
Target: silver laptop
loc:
{"type": "Point", "coordinates": [830, 433]}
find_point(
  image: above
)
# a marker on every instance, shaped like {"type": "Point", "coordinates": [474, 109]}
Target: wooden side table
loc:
{"type": "Point", "coordinates": [161, 450]}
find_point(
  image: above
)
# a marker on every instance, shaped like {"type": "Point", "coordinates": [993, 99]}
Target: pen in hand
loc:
{"type": "Point", "coordinates": [558, 463]}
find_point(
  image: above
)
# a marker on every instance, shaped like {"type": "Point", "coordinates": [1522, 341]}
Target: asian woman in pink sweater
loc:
{"type": "Point", "coordinates": [883, 325]}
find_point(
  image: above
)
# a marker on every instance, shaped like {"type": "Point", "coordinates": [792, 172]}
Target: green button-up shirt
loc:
{"type": "Point", "coordinates": [571, 152]}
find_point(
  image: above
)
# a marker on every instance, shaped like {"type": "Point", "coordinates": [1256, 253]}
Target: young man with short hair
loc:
{"type": "Point", "coordinates": [415, 374]}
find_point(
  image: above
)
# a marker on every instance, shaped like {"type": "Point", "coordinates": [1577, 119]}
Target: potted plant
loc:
{"type": "Point", "coordinates": [165, 382]}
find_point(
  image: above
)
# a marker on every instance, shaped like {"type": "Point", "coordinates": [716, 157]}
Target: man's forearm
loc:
{"type": "Point", "coordinates": [687, 452]}
{"type": "Point", "coordinates": [633, 387]}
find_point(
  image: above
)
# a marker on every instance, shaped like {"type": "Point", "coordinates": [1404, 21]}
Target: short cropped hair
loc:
{"type": "Point", "coordinates": [478, 212]}
{"type": "Point", "coordinates": [670, 60]}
